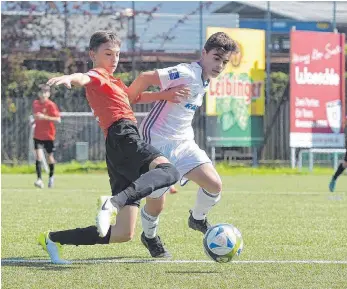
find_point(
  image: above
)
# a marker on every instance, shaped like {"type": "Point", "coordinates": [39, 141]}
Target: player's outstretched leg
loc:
{"type": "Point", "coordinates": [123, 231]}
{"type": "Point", "coordinates": [163, 175]}
{"type": "Point", "coordinates": [52, 242]}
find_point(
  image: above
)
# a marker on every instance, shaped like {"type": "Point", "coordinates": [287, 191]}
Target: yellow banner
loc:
{"type": "Point", "coordinates": [240, 86]}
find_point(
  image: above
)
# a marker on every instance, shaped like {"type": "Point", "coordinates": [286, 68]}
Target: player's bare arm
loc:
{"type": "Point", "coordinates": [142, 83]}
{"type": "Point", "coordinates": [76, 79]}
{"type": "Point", "coordinates": [175, 95]}
{"type": "Point", "coordinates": [146, 79]}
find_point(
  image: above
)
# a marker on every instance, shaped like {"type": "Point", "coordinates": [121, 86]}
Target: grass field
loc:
{"type": "Point", "coordinates": [287, 222]}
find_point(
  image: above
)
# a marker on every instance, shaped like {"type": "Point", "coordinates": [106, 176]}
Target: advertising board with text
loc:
{"type": "Point", "coordinates": [317, 90]}
{"type": "Point", "coordinates": [235, 99]}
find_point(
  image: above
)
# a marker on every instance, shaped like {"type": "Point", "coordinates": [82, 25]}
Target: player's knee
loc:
{"type": "Point", "coordinates": [172, 173]}
{"type": "Point", "coordinates": [344, 164]}
{"type": "Point", "coordinates": [51, 159]}
{"type": "Point", "coordinates": [215, 186]}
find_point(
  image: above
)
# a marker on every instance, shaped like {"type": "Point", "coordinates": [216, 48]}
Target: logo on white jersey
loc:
{"type": "Point", "coordinates": [174, 74]}
{"type": "Point", "coordinates": [191, 106]}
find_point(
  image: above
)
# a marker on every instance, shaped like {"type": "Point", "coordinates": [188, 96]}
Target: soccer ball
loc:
{"type": "Point", "coordinates": [223, 242]}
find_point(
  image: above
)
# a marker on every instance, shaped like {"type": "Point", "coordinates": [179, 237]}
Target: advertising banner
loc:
{"type": "Point", "coordinates": [235, 101]}
{"type": "Point", "coordinates": [317, 92]}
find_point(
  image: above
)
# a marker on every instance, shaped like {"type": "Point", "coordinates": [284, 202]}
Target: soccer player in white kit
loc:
{"type": "Point", "coordinates": [168, 127]}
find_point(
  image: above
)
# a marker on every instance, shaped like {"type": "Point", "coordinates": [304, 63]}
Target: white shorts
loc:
{"type": "Point", "coordinates": [185, 156]}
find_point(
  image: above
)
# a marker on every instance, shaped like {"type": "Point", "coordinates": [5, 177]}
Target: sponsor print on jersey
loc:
{"type": "Point", "coordinates": [174, 74]}
{"type": "Point", "coordinates": [191, 106]}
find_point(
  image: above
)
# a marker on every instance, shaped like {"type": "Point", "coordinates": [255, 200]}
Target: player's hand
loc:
{"type": "Point", "coordinates": [178, 93]}
{"type": "Point", "coordinates": [39, 116]}
{"type": "Point", "coordinates": [65, 80]}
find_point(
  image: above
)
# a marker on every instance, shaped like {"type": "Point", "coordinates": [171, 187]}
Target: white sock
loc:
{"type": "Point", "coordinates": [204, 202]}
{"type": "Point", "coordinates": [149, 224]}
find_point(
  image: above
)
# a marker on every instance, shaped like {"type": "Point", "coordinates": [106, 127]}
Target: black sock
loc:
{"type": "Point", "coordinates": [338, 172]}
{"type": "Point", "coordinates": [38, 169]}
{"type": "Point", "coordinates": [164, 175]}
{"type": "Point", "coordinates": [80, 236]}
{"type": "Point", "coordinates": [51, 170]}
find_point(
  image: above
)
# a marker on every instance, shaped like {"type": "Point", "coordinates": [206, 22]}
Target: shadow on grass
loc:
{"type": "Point", "coordinates": [109, 259]}
{"type": "Point", "coordinates": [45, 264]}
{"type": "Point", "coordinates": [35, 263]}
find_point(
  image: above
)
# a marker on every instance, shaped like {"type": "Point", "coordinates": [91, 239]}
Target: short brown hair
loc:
{"type": "Point", "coordinates": [221, 41]}
{"type": "Point", "coordinates": [103, 36]}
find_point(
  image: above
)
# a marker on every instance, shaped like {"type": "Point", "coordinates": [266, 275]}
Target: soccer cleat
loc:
{"type": "Point", "coordinates": [104, 216]}
{"type": "Point", "coordinates": [101, 201]}
{"type": "Point", "coordinates": [332, 185]}
{"type": "Point", "coordinates": [155, 247]}
{"type": "Point", "coordinates": [198, 225]}
{"type": "Point", "coordinates": [39, 184]}
{"type": "Point", "coordinates": [51, 182]}
{"type": "Point", "coordinates": [173, 190]}
{"type": "Point", "coordinates": [53, 249]}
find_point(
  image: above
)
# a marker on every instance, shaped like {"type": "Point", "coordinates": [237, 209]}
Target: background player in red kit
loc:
{"type": "Point", "coordinates": [135, 168]}
{"type": "Point", "coordinates": [46, 113]}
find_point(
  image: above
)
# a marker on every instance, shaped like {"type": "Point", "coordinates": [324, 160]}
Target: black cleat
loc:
{"type": "Point", "coordinates": [198, 225]}
{"type": "Point", "coordinates": [155, 247]}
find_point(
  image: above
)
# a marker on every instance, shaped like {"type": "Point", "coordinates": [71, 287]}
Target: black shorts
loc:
{"type": "Point", "coordinates": [47, 144]}
{"type": "Point", "coordinates": [345, 159]}
{"type": "Point", "coordinates": [127, 155]}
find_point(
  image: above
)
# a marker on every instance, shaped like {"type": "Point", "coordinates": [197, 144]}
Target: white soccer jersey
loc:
{"type": "Point", "coordinates": [173, 121]}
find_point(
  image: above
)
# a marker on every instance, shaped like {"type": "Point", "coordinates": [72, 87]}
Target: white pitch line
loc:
{"type": "Point", "coordinates": [13, 261]}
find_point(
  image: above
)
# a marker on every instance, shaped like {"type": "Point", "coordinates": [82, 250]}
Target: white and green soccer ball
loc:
{"type": "Point", "coordinates": [223, 242]}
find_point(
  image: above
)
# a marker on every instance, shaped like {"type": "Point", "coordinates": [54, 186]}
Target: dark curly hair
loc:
{"type": "Point", "coordinates": [222, 42]}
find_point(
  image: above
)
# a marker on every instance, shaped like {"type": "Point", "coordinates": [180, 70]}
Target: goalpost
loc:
{"type": "Point", "coordinates": [78, 137]}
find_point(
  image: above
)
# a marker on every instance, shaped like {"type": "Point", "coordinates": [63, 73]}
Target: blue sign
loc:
{"type": "Point", "coordinates": [285, 26]}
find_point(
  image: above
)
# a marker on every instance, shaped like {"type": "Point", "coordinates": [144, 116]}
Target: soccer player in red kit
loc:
{"type": "Point", "coordinates": [135, 168]}
{"type": "Point", "coordinates": [46, 113]}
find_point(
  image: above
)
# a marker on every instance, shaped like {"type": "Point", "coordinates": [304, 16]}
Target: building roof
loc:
{"type": "Point", "coordinates": [298, 10]}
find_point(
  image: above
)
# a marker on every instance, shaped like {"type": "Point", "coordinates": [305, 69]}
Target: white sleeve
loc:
{"type": "Point", "coordinates": [174, 76]}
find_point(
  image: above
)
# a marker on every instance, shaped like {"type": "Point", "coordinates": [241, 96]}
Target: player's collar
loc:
{"type": "Point", "coordinates": [205, 83]}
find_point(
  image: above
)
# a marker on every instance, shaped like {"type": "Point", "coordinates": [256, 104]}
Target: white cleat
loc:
{"type": "Point", "coordinates": [104, 216]}
{"type": "Point", "coordinates": [51, 182]}
{"type": "Point", "coordinates": [114, 210]}
{"type": "Point", "coordinates": [39, 184]}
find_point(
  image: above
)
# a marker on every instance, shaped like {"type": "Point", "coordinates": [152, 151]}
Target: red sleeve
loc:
{"type": "Point", "coordinates": [123, 86]}
{"type": "Point", "coordinates": [54, 110]}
